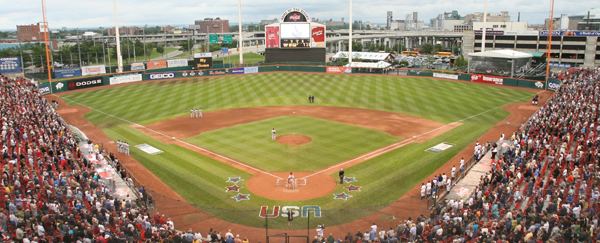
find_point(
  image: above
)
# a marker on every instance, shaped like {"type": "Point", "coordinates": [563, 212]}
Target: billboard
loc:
{"type": "Point", "coordinates": [10, 65]}
{"type": "Point", "coordinates": [157, 76]}
{"type": "Point", "coordinates": [318, 36]}
{"type": "Point", "coordinates": [192, 73]}
{"type": "Point", "coordinates": [202, 60]}
{"type": "Point", "coordinates": [480, 78]}
{"type": "Point", "coordinates": [248, 70]}
{"type": "Point", "coordinates": [67, 72]}
{"type": "Point", "coordinates": [85, 83]}
{"type": "Point", "coordinates": [138, 66]}
{"type": "Point", "coordinates": [295, 15]}
{"type": "Point", "coordinates": [272, 36]}
{"type": "Point", "coordinates": [445, 75]}
{"type": "Point", "coordinates": [156, 64]}
{"type": "Point", "coordinates": [125, 79]}
{"type": "Point", "coordinates": [337, 69]}
{"type": "Point", "coordinates": [236, 71]}
{"type": "Point", "coordinates": [295, 31]}
{"type": "Point", "coordinates": [177, 63]}
{"type": "Point", "coordinates": [570, 33]}
{"type": "Point", "coordinates": [93, 70]}
{"type": "Point", "coordinates": [295, 43]}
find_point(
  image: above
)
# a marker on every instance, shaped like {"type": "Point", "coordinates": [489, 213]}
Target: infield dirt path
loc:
{"type": "Point", "coordinates": [187, 216]}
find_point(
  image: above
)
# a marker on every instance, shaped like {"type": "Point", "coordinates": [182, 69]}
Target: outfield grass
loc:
{"type": "Point", "coordinates": [332, 143]}
{"type": "Point", "coordinates": [250, 58]}
{"type": "Point", "coordinates": [384, 179]}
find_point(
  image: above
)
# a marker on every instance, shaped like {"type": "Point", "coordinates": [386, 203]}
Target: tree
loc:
{"type": "Point", "coordinates": [437, 48]}
{"type": "Point", "coordinates": [461, 62]}
{"type": "Point", "coordinates": [427, 48]}
{"type": "Point", "coordinates": [160, 49]}
{"type": "Point", "coordinates": [357, 46]}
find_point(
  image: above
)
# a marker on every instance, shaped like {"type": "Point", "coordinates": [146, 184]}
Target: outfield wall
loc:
{"type": "Point", "coordinates": [188, 72]}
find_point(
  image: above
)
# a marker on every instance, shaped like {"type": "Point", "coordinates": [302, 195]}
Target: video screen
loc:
{"type": "Point", "coordinates": [295, 43]}
{"type": "Point", "coordinates": [295, 31]}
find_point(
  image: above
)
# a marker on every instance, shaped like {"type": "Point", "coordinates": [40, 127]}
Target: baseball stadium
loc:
{"type": "Point", "coordinates": [296, 149]}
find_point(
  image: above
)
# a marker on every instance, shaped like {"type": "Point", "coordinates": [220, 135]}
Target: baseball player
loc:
{"type": "Point", "coordinates": [291, 181]}
{"type": "Point", "coordinates": [273, 134]}
{"type": "Point", "coordinates": [200, 115]}
{"type": "Point", "coordinates": [192, 113]}
{"type": "Point", "coordinates": [341, 175]}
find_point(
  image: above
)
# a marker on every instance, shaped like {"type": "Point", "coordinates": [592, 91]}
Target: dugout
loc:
{"type": "Point", "coordinates": [504, 62]}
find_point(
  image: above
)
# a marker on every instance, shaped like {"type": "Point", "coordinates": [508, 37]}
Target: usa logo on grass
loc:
{"type": "Point", "coordinates": [341, 196]}
{"type": "Point", "coordinates": [241, 197]}
{"type": "Point", "coordinates": [234, 188]}
{"type": "Point", "coordinates": [235, 179]}
{"type": "Point", "coordinates": [353, 188]}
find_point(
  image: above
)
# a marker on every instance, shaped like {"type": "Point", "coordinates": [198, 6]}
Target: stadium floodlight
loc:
{"type": "Point", "coordinates": [118, 39]}
{"type": "Point", "coordinates": [483, 33]}
{"type": "Point", "coordinates": [350, 34]}
{"type": "Point", "coordinates": [240, 38]}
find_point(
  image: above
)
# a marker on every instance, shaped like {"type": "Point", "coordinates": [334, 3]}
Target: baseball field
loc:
{"type": "Point", "coordinates": [378, 128]}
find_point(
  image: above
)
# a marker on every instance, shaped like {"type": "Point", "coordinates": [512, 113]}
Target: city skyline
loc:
{"type": "Point", "coordinates": [85, 14]}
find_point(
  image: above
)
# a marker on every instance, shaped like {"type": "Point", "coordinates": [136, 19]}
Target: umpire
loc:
{"type": "Point", "coordinates": [341, 175]}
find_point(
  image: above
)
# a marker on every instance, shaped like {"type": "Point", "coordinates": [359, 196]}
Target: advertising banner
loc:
{"type": "Point", "coordinates": [217, 72]}
{"type": "Point", "coordinates": [67, 72]}
{"type": "Point", "coordinates": [138, 66]}
{"type": "Point", "coordinates": [318, 36]}
{"type": "Point", "coordinates": [336, 69]}
{"type": "Point", "coordinates": [125, 79]}
{"type": "Point", "coordinates": [177, 63]}
{"type": "Point", "coordinates": [570, 33]}
{"type": "Point", "coordinates": [156, 64]}
{"type": "Point", "coordinates": [85, 83]}
{"type": "Point", "coordinates": [157, 76]}
{"type": "Point", "coordinates": [236, 70]}
{"type": "Point", "coordinates": [93, 70]}
{"type": "Point", "coordinates": [480, 78]}
{"type": "Point", "coordinates": [10, 65]}
{"type": "Point", "coordinates": [272, 36]}
{"type": "Point", "coordinates": [554, 84]}
{"type": "Point", "coordinates": [187, 74]}
{"type": "Point", "coordinates": [248, 70]}
{"type": "Point", "coordinates": [59, 86]}
{"type": "Point", "coordinates": [445, 75]}
{"type": "Point", "coordinates": [44, 88]}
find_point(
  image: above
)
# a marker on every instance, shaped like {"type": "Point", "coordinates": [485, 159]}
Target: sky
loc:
{"type": "Point", "coordinates": [96, 13]}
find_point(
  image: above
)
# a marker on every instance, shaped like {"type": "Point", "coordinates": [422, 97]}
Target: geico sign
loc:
{"type": "Point", "coordinates": [162, 75]}
{"type": "Point", "coordinates": [284, 211]}
{"type": "Point", "coordinates": [88, 82]}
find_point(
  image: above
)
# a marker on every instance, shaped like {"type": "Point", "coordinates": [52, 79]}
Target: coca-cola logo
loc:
{"type": "Point", "coordinates": [295, 17]}
{"type": "Point", "coordinates": [318, 33]}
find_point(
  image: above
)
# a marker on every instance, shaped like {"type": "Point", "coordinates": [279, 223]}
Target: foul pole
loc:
{"type": "Point", "coordinates": [549, 45]}
{"type": "Point", "coordinates": [118, 40]}
{"type": "Point", "coordinates": [350, 34]}
{"type": "Point", "coordinates": [46, 43]}
{"type": "Point", "coordinates": [240, 38]}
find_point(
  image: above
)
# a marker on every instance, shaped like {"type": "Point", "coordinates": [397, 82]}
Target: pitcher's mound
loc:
{"type": "Point", "coordinates": [293, 139]}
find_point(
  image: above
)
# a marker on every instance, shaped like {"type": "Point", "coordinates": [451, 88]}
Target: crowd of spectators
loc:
{"type": "Point", "coordinates": [52, 193]}
{"type": "Point", "coordinates": [543, 187]}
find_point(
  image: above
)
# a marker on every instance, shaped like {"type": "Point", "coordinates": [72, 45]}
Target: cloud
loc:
{"type": "Point", "coordinates": [94, 13]}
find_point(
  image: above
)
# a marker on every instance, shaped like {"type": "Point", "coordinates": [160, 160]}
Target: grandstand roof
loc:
{"type": "Point", "coordinates": [376, 65]}
{"type": "Point", "coordinates": [504, 53]}
{"type": "Point", "coordinates": [371, 56]}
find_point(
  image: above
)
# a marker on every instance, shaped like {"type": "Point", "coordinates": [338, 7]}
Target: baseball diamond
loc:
{"type": "Point", "coordinates": [376, 127]}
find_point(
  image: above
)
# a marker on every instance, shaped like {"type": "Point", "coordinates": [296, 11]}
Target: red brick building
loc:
{"type": "Point", "coordinates": [29, 33]}
{"type": "Point", "coordinates": [210, 25]}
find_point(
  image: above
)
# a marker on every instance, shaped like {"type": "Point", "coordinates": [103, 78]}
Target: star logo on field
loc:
{"type": "Point", "coordinates": [235, 180]}
{"type": "Point", "coordinates": [233, 188]}
{"type": "Point", "coordinates": [241, 197]}
{"type": "Point", "coordinates": [341, 196]}
{"type": "Point", "coordinates": [350, 179]}
{"type": "Point", "coordinates": [353, 188]}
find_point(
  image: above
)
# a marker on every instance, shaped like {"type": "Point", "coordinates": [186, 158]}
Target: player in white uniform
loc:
{"type": "Point", "coordinates": [273, 134]}
{"type": "Point", "coordinates": [291, 181]}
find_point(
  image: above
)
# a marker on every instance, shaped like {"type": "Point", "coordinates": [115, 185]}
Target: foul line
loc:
{"type": "Point", "coordinates": [394, 146]}
{"type": "Point", "coordinates": [230, 160]}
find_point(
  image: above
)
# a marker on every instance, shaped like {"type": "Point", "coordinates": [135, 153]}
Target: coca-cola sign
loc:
{"type": "Point", "coordinates": [294, 15]}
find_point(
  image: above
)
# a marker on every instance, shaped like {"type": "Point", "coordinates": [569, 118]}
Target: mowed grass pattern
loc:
{"type": "Point", "coordinates": [443, 101]}
{"type": "Point", "coordinates": [384, 178]}
{"type": "Point", "coordinates": [332, 143]}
